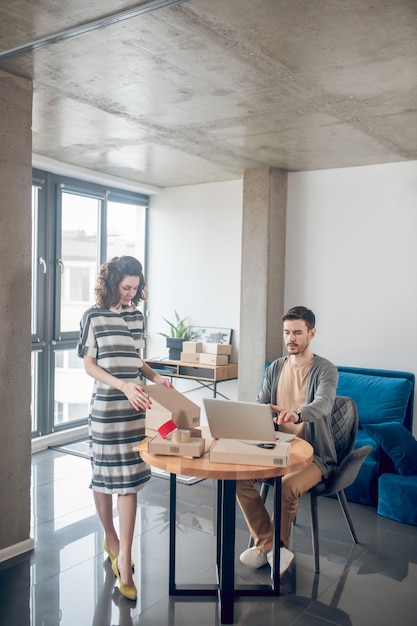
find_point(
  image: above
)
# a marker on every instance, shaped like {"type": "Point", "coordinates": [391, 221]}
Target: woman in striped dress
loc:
{"type": "Point", "coordinates": [111, 339]}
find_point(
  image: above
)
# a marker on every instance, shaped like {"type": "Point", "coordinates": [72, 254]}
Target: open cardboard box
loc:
{"type": "Point", "coordinates": [169, 404]}
{"type": "Point", "coordinates": [245, 453]}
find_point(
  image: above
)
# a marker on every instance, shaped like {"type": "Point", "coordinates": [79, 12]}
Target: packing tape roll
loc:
{"type": "Point", "coordinates": [167, 428]}
{"type": "Point", "coordinates": [181, 435]}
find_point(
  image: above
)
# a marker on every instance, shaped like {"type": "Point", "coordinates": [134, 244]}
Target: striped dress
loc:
{"type": "Point", "coordinates": [113, 336]}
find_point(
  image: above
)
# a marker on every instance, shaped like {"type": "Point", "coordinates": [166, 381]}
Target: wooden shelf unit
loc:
{"type": "Point", "coordinates": [196, 371]}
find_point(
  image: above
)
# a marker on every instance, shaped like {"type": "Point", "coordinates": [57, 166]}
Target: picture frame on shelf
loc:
{"type": "Point", "coordinates": [207, 334]}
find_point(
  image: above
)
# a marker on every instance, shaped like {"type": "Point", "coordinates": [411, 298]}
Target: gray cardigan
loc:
{"type": "Point", "coordinates": [321, 391]}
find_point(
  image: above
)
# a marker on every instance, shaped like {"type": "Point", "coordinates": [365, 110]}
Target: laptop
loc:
{"type": "Point", "coordinates": [232, 419]}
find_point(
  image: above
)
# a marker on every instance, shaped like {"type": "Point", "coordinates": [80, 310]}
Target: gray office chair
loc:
{"type": "Point", "coordinates": [344, 425]}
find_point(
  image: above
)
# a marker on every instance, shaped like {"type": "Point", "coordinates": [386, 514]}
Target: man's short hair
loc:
{"type": "Point", "coordinates": [301, 313]}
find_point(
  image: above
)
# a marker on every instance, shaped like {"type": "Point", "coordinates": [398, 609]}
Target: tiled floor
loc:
{"type": "Point", "coordinates": [67, 580]}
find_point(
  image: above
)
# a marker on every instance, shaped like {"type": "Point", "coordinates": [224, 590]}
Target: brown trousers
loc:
{"type": "Point", "coordinates": [257, 517]}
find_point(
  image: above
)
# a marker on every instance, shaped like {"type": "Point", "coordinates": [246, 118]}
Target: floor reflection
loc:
{"type": "Point", "coordinates": [67, 580]}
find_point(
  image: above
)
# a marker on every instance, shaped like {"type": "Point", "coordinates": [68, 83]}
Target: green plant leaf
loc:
{"type": "Point", "coordinates": [179, 328]}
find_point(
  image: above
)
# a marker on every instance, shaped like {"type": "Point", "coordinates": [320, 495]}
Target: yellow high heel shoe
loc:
{"type": "Point", "coordinates": [128, 591]}
{"type": "Point", "coordinates": [112, 557]}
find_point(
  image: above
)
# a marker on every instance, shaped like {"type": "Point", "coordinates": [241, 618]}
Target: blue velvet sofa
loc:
{"type": "Point", "coordinates": [388, 476]}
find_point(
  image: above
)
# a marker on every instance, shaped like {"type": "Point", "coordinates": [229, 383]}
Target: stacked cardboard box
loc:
{"type": "Point", "coordinates": [207, 353]}
{"type": "Point", "coordinates": [191, 351]}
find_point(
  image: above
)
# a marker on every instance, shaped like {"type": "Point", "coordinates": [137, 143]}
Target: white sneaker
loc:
{"type": "Point", "coordinates": [285, 559]}
{"type": "Point", "coordinates": [254, 559]}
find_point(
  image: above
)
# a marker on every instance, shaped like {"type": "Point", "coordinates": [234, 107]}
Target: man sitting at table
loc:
{"type": "Point", "coordinates": [301, 389]}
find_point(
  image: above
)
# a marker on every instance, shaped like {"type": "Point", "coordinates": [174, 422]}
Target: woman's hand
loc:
{"type": "Point", "coordinates": [153, 376]}
{"type": "Point", "coordinates": [161, 380]}
{"type": "Point", "coordinates": [137, 396]}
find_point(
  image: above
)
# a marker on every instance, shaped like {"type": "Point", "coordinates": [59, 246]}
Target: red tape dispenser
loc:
{"type": "Point", "coordinates": [167, 428]}
{"type": "Point", "coordinates": [177, 435]}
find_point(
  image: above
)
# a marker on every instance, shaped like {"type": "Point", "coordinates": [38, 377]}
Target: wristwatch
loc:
{"type": "Point", "coordinates": [300, 416]}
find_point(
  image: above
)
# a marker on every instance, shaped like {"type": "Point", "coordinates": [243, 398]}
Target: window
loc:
{"type": "Point", "coordinates": [76, 227]}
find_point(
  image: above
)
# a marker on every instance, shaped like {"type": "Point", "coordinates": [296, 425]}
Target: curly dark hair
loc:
{"type": "Point", "coordinates": [111, 275]}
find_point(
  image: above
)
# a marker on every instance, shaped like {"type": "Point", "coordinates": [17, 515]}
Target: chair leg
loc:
{"type": "Point", "coordinates": [315, 531]}
{"type": "Point", "coordinates": [345, 509]}
{"type": "Point", "coordinates": [263, 492]}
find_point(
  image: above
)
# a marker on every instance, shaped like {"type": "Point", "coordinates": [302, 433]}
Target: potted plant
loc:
{"type": "Point", "coordinates": [179, 331]}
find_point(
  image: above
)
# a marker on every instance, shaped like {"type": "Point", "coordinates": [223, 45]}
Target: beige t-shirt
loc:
{"type": "Point", "coordinates": [292, 391]}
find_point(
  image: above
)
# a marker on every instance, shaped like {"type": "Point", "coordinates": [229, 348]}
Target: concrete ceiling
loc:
{"type": "Point", "coordinates": [201, 90]}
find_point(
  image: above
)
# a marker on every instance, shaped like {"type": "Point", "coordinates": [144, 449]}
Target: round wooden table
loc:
{"type": "Point", "coordinates": [226, 475]}
{"type": "Point", "coordinates": [202, 467]}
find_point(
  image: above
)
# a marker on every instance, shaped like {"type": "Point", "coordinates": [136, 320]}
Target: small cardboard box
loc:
{"type": "Point", "coordinates": [192, 346]}
{"type": "Point", "coordinates": [218, 348]}
{"type": "Point", "coordinates": [190, 357]}
{"type": "Point", "coordinates": [169, 404]}
{"type": "Point", "coordinates": [213, 359]}
{"type": "Point", "coordinates": [194, 448]}
{"type": "Point", "coordinates": [241, 453]}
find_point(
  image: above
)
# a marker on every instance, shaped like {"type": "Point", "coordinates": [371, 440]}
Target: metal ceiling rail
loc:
{"type": "Point", "coordinates": [82, 29]}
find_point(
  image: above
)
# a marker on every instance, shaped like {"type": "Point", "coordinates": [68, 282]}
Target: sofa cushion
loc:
{"type": "Point", "coordinates": [398, 443]}
{"type": "Point", "coordinates": [397, 497]}
{"type": "Point", "coordinates": [365, 488]}
{"type": "Point", "coordinates": [378, 399]}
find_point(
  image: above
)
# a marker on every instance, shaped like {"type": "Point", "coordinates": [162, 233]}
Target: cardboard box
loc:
{"type": "Point", "coordinates": [194, 448]}
{"type": "Point", "coordinates": [190, 357]}
{"type": "Point", "coordinates": [218, 348]}
{"type": "Point", "coordinates": [240, 453]}
{"type": "Point", "coordinates": [169, 404]}
{"type": "Point", "coordinates": [192, 346]}
{"type": "Point", "coordinates": [213, 359]}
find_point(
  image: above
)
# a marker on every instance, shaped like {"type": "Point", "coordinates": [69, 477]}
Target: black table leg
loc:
{"type": "Point", "coordinates": [220, 497]}
{"type": "Point", "coordinates": [172, 533]}
{"type": "Point", "coordinates": [277, 534]}
{"type": "Point", "coordinates": [227, 549]}
{"type": "Point", "coordinates": [225, 589]}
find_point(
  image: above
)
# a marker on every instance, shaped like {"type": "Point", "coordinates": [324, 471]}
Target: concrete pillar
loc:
{"type": "Point", "coordinates": [263, 275]}
{"type": "Point", "coordinates": [15, 313]}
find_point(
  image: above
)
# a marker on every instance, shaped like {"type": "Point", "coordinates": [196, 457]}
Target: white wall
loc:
{"type": "Point", "coordinates": [351, 256]}
{"type": "Point", "coordinates": [194, 259]}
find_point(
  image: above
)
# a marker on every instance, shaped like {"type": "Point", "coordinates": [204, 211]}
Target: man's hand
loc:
{"type": "Point", "coordinates": [284, 415]}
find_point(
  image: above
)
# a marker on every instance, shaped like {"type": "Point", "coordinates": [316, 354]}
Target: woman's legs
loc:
{"type": "Point", "coordinates": [122, 548]}
{"type": "Point", "coordinates": [126, 505]}
{"type": "Point", "coordinates": [104, 507]}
